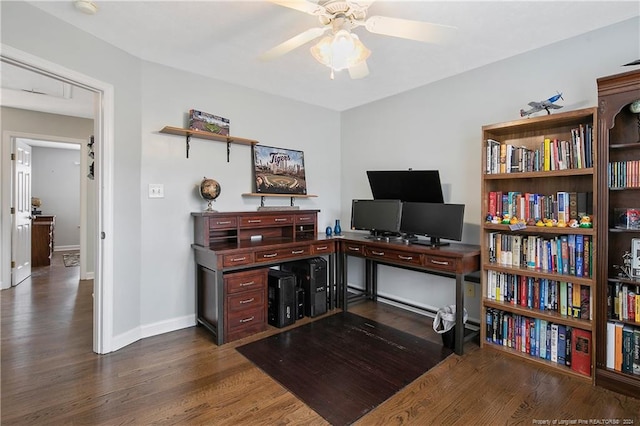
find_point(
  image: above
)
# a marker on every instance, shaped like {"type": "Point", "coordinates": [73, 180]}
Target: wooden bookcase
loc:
{"type": "Point", "coordinates": [619, 135]}
{"type": "Point", "coordinates": [519, 293]}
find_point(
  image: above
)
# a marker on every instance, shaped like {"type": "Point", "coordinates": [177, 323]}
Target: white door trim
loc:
{"type": "Point", "coordinates": [104, 134]}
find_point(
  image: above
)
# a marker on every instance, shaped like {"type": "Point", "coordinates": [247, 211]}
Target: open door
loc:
{"type": "Point", "coordinates": [21, 232]}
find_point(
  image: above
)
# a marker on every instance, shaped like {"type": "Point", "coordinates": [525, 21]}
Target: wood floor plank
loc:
{"type": "Point", "coordinates": [51, 376]}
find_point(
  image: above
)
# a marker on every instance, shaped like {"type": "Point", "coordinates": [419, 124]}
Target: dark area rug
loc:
{"type": "Point", "coordinates": [71, 259]}
{"type": "Point", "coordinates": [344, 365]}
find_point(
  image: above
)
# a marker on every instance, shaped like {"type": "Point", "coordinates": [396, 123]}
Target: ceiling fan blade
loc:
{"type": "Point", "coordinates": [360, 70]}
{"type": "Point", "coordinates": [412, 30]}
{"type": "Point", "coordinates": [301, 5]}
{"type": "Point", "coordinates": [292, 43]}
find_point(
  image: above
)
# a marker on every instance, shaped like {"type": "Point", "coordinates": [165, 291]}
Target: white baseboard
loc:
{"type": "Point", "coordinates": [67, 248]}
{"type": "Point", "coordinates": [168, 325]}
{"type": "Point", "coordinates": [131, 336]}
{"type": "Point", "coordinates": [88, 276]}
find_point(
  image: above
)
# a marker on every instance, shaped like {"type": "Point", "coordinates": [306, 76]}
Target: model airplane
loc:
{"type": "Point", "coordinates": [542, 105]}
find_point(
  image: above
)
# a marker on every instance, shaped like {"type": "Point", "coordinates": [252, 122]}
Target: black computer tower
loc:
{"type": "Point", "coordinates": [311, 276]}
{"type": "Point", "coordinates": [281, 310]}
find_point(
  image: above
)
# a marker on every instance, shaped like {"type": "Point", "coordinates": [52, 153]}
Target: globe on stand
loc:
{"type": "Point", "coordinates": [209, 190]}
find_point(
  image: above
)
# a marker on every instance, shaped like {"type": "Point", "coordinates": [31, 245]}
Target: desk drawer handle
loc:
{"type": "Point", "coordinates": [226, 222]}
{"type": "Point", "coordinates": [247, 284]}
{"type": "Point", "coordinates": [377, 253]}
{"type": "Point", "coordinates": [322, 248]}
{"type": "Point", "coordinates": [242, 302]}
{"type": "Point", "coordinates": [304, 218]}
{"type": "Point", "coordinates": [247, 319]}
{"type": "Point", "coordinates": [254, 220]}
{"type": "Point", "coordinates": [270, 255]}
{"type": "Point", "coordinates": [297, 251]}
{"type": "Point", "coordinates": [238, 259]}
{"type": "Point", "coordinates": [438, 262]}
{"type": "Point", "coordinates": [354, 248]}
{"type": "Point", "coordinates": [281, 219]}
{"type": "Point", "coordinates": [405, 257]}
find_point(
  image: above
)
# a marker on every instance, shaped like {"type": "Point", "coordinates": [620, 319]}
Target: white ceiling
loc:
{"type": "Point", "coordinates": [223, 40]}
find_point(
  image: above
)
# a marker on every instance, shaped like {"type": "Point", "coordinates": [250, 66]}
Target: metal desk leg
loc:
{"type": "Point", "coordinates": [459, 329]}
{"type": "Point", "coordinates": [343, 282]}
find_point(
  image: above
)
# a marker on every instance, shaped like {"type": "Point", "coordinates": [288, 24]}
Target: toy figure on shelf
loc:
{"type": "Point", "coordinates": [585, 222]}
{"type": "Point", "coordinates": [506, 219]}
{"type": "Point", "coordinates": [561, 224]}
{"type": "Point", "coordinates": [625, 269]}
{"type": "Point", "coordinates": [573, 223]}
{"type": "Point", "coordinates": [539, 222]}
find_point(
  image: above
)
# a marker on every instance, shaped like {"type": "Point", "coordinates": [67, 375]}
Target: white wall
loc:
{"type": "Point", "coordinates": [439, 126]}
{"type": "Point", "coordinates": [55, 175]}
{"type": "Point", "coordinates": [167, 228]}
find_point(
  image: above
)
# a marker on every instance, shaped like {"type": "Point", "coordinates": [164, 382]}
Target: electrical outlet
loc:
{"type": "Point", "coordinates": [470, 290]}
{"type": "Point", "coordinates": [156, 190]}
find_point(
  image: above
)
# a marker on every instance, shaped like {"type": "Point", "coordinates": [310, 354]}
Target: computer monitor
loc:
{"type": "Point", "coordinates": [379, 217]}
{"type": "Point", "coordinates": [421, 186]}
{"type": "Point", "coordinates": [433, 220]}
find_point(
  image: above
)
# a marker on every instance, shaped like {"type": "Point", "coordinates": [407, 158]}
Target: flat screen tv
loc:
{"type": "Point", "coordinates": [433, 220]}
{"type": "Point", "coordinates": [420, 186]}
{"type": "Point", "coordinates": [379, 217]}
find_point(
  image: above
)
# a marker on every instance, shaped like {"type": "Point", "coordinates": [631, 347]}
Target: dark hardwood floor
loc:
{"type": "Point", "coordinates": [51, 376]}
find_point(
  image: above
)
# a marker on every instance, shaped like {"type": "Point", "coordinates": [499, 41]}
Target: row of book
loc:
{"type": "Point", "coordinates": [561, 206]}
{"type": "Point", "coordinates": [564, 345]}
{"type": "Point", "coordinates": [624, 174]}
{"type": "Point", "coordinates": [623, 348]}
{"type": "Point", "coordinates": [566, 298]}
{"type": "Point", "coordinates": [552, 154]}
{"type": "Point", "coordinates": [623, 302]}
{"type": "Point", "coordinates": [570, 254]}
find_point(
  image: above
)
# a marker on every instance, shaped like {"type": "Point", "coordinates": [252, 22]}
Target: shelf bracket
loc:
{"type": "Point", "coordinates": [262, 201]}
{"type": "Point", "coordinates": [188, 143]}
{"type": "Point", "coordinates": [228, 149]}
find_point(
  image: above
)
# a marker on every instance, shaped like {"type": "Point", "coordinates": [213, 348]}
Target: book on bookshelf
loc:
{"type": "Point", "coordinates": [581, 351]}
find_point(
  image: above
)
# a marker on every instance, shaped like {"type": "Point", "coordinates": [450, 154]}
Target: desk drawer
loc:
{"type": "Point", "coordinates": [228, 222]}
{"type": "Point", "coordinates": [257, 221]}
{"type": "Point", "coordinates": [283, 253]}
{"type": "Point", "coordinates": [244, 323]}
{"type": "Point", "coordinates": [237, 259]}
{"type": "Point", "coordinates": [395, 256]}
{"type": "Point", "coordinates": [353, 249]}
{"type": "Point", "coordinates": [246, 301]}
{"type": "Point", "coordinates": [323, 248]}
{"type": "Point", "coordinates": [302, 219]}
{"type": "Point", "coordinates": [442, 263]}
{"type": "Point", "coordinates": [245, 281]}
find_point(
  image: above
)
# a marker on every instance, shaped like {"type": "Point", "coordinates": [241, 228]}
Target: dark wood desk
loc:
{"type": "Point", "coordinates": [231, 264]}
{"type": "Point", "coordinates": [42, 239]}
{"type": "Point", "coordinates": [454, 260]}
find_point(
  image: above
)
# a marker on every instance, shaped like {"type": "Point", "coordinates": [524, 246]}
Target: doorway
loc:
{"type": "Point", "coordinates": [104, 142]}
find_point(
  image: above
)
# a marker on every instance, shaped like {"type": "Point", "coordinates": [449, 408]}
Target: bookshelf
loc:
{"type": "Point", "coordinates": [619, 154]}
{"type": "Point", "coordinates": [538, 278]}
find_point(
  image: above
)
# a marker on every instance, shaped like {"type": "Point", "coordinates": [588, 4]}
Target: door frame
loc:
{"type": "Point", "coordinates": [104, 136]}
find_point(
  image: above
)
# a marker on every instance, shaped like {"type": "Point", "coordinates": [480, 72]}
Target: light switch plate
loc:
{"type": "Point", "coordinates": [156, 190]}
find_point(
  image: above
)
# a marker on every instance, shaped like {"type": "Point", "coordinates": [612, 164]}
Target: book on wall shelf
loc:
{"type": "Point", "coordinates": [617, 302]}
{"type": "Point", "coordinates": [538, 239]}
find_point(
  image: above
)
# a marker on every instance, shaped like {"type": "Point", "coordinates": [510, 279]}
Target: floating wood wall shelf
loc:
{"type": "Point", "coordinates": [291, 196]}
{"type": "Point", "coordinates": [188, 133]}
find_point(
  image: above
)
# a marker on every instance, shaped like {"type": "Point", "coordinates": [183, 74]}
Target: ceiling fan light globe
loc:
{"type": "Point", "coordinates": [341, 51]}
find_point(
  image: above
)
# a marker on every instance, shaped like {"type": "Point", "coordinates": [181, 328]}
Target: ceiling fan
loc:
{"type": "Point", "coordinates": [343, 49]}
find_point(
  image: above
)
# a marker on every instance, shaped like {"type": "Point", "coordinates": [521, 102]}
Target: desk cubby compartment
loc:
{"type": "Point", "coordinates": [539, 184]}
